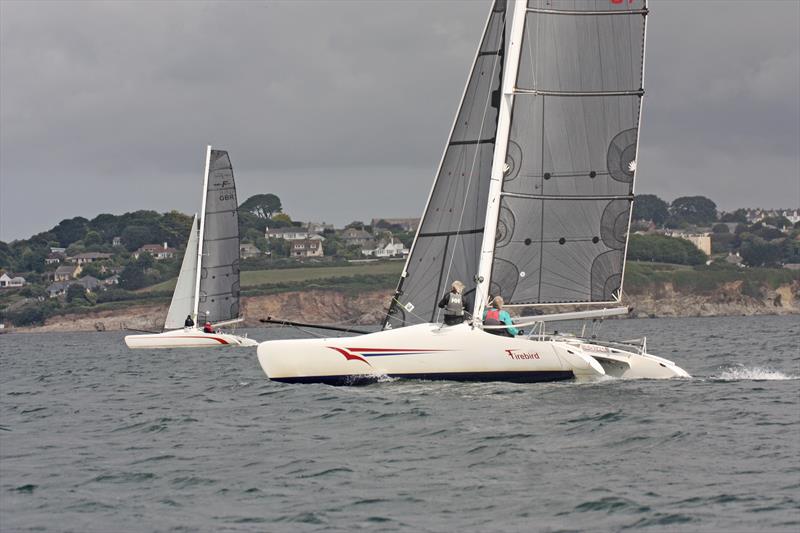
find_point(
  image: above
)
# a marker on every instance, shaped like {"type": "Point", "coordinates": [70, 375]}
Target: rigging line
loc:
{"type": "Point", "coordinates": [458, 240]}
{"type": "Point", "coordinates": [421, 319]}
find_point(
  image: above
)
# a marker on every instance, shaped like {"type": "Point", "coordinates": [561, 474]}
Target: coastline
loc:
{"type": "Point", "coordinates": [365, 308]}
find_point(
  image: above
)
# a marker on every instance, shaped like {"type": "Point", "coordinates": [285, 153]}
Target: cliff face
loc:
{"type": "Point", "coordinates": [730, 299]}
{"type": "Point", "coordinates": [331, 307]}
{"type": "Point", "coordinates": [321, 307]}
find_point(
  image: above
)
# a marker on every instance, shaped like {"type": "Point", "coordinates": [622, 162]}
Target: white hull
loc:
{"type": "Point", "coordinates": [186, 338]}
{"type": "Point", "coordinates": [460, 353]}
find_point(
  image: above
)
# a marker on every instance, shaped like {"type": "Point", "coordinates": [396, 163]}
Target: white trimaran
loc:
{"type": "Point", "coordinates": [208, 282]}
{"type": "Point", "coordinates": [532, 202]}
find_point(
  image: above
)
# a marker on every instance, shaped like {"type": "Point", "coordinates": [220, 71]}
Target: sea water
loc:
{"type": "Point", "coordinates": [96, 437]}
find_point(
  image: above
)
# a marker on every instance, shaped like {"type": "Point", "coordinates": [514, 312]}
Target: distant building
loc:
{"type": "Point", "coordinates": [88, 257]}
{"type": "Point", "coordinates": [247, 250]}
{"type": "Point", "coordinates": [702, 241]}
{"type": "Point", "coordinates": [408, 224]}
{"type": "Point", "coordinates": [288, 234]}
{"type": "Point", "coordinates": [292, 234]}
{"type": "Point", "coordinates": [116, 241]}
{"type": "Point", "coordinates": [734, 259]}
{"type": "Point", "coordinates": [307, 248]}
{"type": "Point", "coordinates": [318, 227]}
{"type": "Point", "coordinates": [758, 214]}
{"type": "Point", "coordinates": [67, 272]}
{"type": "Point", "coordinates": [386, 248]}
{"type": "Point", "coordinates": [88, 283]}
{"type": "Point", "coordinates": [10, 281]}
{"type": "Point", "coordinates": [353, 236]}
{"type": "Point", "coordinates": [53, 258]}
{"type": "Point", "coordinates": [158, 251]}
{"type": "Point", "coordinates": [57, 250]}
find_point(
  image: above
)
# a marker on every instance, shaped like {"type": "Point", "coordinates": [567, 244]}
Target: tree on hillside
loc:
{"type": "Point", "coordinates": [106, 225]}
{"type": "Point", "coordinates": [693, 210]}
{"type": "Point", "coordinates": [70, 230]}
{"type": "Point", "coordinates": [262, 205]}
{"type": "Point", "coordinates": [720, 228]}
{"type": "Point", "coordinates": [75, 292]}
{"type": "Point", "coordinates": [174, 228]}
{"type": "Point", "coordinates": [5, 256]}
{"type": "Point", "coordinates": [281, 220]}
{"type": "Point", "coordinates": [650, 207]}
{"type": "Point", "coordinates": [740, 215]}
{"type": "Point", "coordinates": [133, 275]}
{"type": "Point", "coordinates": [778, 222]}
{"type": "Point", "coordinates": [663, 249]}
{"type": "Point", "coordinates": [757, 252]}
{"type": "Point", "coordinates": [92, 238]}
{"type": "Point", "coordinates": [135, 236]}
{"type": "Point", "coordinates": [791, 251]}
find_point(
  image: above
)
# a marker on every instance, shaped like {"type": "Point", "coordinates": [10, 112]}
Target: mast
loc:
{"type": "Point", "coordinates": [499, 161]}
{"type": "Point", "coordinates": [201, 234]}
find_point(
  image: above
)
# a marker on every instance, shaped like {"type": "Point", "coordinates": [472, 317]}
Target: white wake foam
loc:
{"type": "Point", "coordinates": [755, 373]}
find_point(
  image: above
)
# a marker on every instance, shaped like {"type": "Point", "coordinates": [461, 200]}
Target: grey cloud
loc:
{"type": "Point", "coordinates": [342, 108]}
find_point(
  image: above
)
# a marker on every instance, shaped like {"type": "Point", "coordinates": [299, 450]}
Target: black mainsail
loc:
{"type": "Point", "coordinates": [568, 189]}
{"type": "Point", "coordinates": [447, 245]}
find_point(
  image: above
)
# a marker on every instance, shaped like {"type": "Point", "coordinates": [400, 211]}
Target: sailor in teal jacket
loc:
{"type": "Point", "coordinates": [495, 316]}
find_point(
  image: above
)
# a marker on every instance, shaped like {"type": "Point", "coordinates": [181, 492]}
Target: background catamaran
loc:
{"type": "Point", "coordinates": [208, 282]}
{"type": "Point", "coordinates": [532, 202]}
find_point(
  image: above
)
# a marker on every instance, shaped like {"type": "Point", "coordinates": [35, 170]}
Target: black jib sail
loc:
{"type": "Point", "coordinates": [448, 241]}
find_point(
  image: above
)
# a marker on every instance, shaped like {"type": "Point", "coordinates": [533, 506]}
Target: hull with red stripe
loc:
{"type": "Point", "coordinates": [424, 351]}
{"type": "Point", "coordinates": [458, 353]}
{"type": "Point", "coordinates": [186, 338]}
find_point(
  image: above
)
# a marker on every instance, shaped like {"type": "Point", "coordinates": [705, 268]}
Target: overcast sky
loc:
{"type": "Point", "coordinates": [343, 108]}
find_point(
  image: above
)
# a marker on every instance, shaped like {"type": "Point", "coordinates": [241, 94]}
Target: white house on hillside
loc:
{"type": "Point", "coordinates": [307, 248]}
{"type": "Point", "coordinates": [158, 251]}
{"type": "Point", "coordinates": [9, 281]}
{"type": "Point", "coordinates": [390, 248]}
{"type": "Point", "coordinates": [702, 241]}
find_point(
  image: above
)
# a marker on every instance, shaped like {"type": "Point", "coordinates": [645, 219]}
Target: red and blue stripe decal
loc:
{"type": "Point", "coordinates": [360, 354]}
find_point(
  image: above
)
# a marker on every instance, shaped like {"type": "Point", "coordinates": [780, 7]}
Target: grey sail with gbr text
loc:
{"type": "Point", "coordinates": [219, 272]}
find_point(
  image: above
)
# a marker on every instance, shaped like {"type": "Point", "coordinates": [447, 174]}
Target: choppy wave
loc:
{"type": "Point", "coordinates": [202, 441]}
{"type": "Point", "coordinates": [755, 373]}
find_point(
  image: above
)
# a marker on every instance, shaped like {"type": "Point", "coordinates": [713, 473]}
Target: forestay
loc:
{"type": "Point", "coordinates": [448, 240]}
{"type": "Point", "coordinates": [567, 192]}
{"type": "Point", "coordinates": [219, 273]}
{"type": "Point", "coordinates": [182, 303]}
